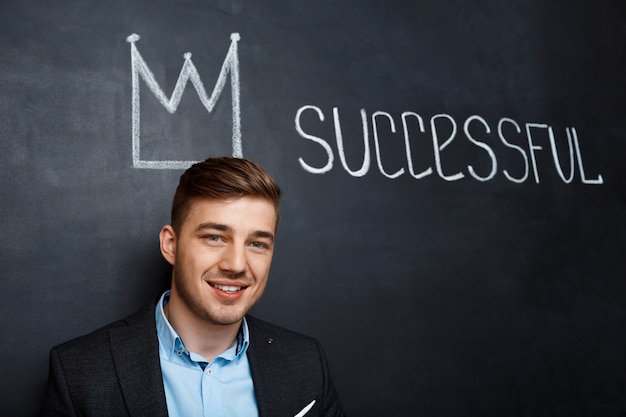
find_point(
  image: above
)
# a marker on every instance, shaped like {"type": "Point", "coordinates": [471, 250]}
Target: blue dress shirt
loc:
{"type": "Point", "coordinates": [196, 387]}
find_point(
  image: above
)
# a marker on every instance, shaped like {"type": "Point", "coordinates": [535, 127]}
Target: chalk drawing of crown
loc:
{"type": "Point", "coordinates": [188, 72]}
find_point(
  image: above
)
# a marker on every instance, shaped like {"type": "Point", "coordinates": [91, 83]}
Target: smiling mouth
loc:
{"type": "Point", "coordinates": [226, 288]}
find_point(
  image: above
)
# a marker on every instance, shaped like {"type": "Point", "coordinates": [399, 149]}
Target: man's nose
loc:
{"type": "Point", "coordinates": [233, 259]}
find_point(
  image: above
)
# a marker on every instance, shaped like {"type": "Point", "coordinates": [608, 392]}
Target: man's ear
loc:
{"type": "Point", "coordinates": [167, 238]}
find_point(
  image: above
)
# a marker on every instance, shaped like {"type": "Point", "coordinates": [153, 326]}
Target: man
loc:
{"type": "Point", "coordinates": [197, 352]}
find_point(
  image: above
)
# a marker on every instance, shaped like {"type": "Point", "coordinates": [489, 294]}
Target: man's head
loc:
{"type": "Point", "coordinates": [221, 240]}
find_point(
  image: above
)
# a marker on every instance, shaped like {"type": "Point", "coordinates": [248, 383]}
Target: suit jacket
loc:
{"type": "Point", "coordinates": [115, 371]}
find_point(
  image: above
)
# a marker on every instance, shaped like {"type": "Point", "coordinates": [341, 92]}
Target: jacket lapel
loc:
{"type": "Point", "coordinates": [135, 352]}
{"type": "Point", "coordinates": [274, 387]}
{"type": "Point", "coordinates": [261, 356]}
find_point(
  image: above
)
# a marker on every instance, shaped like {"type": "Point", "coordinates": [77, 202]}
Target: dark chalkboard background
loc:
{"type": "Point", "coordinates": [431, 297]}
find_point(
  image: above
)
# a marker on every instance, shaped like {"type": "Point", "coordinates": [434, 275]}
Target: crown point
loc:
{"type": "Point", "coordinates": [235, 36]}
{"type": "Point", "coordinates": [132, 38]}
{"type": "Point", "coordinates": [187, 55]}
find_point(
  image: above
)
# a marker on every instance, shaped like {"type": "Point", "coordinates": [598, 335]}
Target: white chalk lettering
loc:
{"type": "Point", "coordinates": [483, 145]}
{"type": "Point", "coordinates": [555, 156]}
{"type": "Point", "coordinates": [318, 140]}
{"type": "Point", "coordinates": [378, 156]}
{"type": "Point", "coordinates": [230, 67]}
{"type": "Point", "coordinates": [534, 147]}
{"type": "Point", "coordinates": [409, 157]}
{"type": "Point", "coordinates": [443, 132]}
{"type": "Point", "coordinates": [438, 148]}
{"type": "Point", "coordinates": [366, 144]}
{"type": "Point", "coordinates": [512, 146]}
{"type": "Point", "coordinates": [599, 179]}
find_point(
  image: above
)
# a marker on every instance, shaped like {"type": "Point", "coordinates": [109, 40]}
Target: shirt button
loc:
{"type": "Point", "coordinates": [208, 371]}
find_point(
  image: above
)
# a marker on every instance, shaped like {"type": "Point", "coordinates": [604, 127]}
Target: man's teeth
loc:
{"type": "Point", "coordinates": [227, 288]}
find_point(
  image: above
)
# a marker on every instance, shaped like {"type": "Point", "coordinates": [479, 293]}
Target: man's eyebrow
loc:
{"type": "Point", "coordinates": [262, 235]}
{"type": "Point", "coordinates": [213, 226]}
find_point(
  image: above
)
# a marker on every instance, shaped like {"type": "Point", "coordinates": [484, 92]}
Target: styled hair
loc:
{"type": "Point", "coordinates": [219, 179]}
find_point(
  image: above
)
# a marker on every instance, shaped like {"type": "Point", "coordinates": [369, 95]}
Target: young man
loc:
{"type": "Point", "coordinates": [197, 352]}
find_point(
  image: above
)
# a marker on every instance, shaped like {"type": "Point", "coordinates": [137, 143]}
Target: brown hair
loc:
{"type": "Point", "coordinates": [222, 178]}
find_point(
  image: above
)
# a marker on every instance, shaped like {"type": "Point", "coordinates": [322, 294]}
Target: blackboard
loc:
{"type": "Point", "coordinates": [453, 224]}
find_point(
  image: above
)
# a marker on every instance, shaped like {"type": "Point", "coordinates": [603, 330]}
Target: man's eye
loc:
{"type": "Point", "coordinates": [259, 245]}
{"type": "Point", "coordinates": [213, 238]}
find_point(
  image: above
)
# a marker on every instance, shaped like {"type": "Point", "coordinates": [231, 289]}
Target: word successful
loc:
{"type": "Point", "coordinates": [443, 131]}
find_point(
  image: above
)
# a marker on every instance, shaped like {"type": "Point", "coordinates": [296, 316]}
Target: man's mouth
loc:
{"type": "Point", "coordinates": [226, 288]}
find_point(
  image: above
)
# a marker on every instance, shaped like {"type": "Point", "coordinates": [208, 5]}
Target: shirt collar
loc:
{"type": "Point", "coordinates": [174, 345]}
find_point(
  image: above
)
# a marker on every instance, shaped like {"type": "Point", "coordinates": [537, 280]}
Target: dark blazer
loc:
{"type": "Point", "coordinates": [115, 371]}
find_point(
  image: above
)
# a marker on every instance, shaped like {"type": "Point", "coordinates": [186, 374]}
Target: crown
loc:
{"type": "Point", "coordinates": [140, 70]}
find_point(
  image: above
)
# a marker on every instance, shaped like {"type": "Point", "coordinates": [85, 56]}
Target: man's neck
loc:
{"type": "Point", "coordinates": [200, 336]}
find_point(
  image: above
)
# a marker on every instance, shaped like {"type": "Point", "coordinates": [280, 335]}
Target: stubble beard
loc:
{"type": "Point", "coordinates": [224, 313]}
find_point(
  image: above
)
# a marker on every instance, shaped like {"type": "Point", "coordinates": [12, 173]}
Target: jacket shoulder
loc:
{"type": "Point", "coordinates": [92, 344]}
{"type": "Point", "coordinates": [111, 371]}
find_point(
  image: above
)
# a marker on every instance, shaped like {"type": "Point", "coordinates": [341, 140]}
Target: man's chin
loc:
{"type": "Point", "coordinates": [225, 319]}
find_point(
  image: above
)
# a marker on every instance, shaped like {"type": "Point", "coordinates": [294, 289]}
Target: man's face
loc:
{"type": "Point", "coordinates": [221, 257]}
